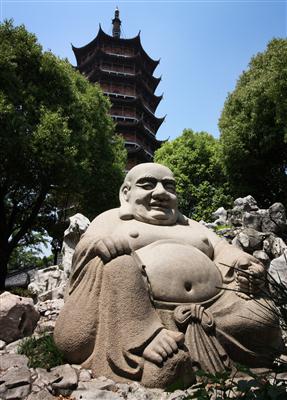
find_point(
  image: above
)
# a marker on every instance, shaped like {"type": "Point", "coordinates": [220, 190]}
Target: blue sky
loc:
{"type": "Point", "coordinates": [203, 45]}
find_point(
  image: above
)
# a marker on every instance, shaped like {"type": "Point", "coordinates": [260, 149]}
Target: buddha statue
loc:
{"type": "Point", "coordinates": [154, 296]}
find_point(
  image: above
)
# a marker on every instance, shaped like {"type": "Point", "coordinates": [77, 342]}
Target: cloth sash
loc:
{"type": "Point", "coordinates": [204, 349]}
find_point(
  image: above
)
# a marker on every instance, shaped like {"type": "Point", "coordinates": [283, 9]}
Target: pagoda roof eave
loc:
{"type": "Point", "coordinates": [78, 51]}
{"type": "Point", "coordinates": [137, 77]}
{"type": "Point", "coordinates": [138, 101]}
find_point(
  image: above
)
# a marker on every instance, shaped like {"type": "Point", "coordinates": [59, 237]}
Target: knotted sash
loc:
{"type": "Point", "coordinates": [204, 349]}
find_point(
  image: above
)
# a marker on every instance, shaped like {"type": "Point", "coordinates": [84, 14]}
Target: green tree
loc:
{"type": "Point", "coordinates": [194, 159]}
{"type": "Point", "coordinates": [56, 142]}
{"type": "Point", "coordinates": [253, 127]}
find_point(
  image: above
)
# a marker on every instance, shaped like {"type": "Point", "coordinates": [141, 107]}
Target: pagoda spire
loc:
{"type": "Point", "coordinates": [117, 24]}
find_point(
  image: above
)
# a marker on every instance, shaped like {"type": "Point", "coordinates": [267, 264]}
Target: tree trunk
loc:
{"type": "Point", "coordinates": [4, 258]}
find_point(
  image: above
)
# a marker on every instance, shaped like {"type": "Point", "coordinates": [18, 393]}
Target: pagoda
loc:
{"type": "Point", "coordinates": [125, 73]}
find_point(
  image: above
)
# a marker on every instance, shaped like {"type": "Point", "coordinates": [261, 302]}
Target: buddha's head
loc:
{"type": "Point", "coordinates": [148, 194]}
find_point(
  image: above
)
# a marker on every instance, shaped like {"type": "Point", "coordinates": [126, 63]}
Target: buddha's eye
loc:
{"type": "Point", "coordinates": [170, 187]}
{"type": "Point", "coordinates": [147, 185]}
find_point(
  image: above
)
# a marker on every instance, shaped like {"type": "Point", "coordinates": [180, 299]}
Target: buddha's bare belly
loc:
{"type": "Point", "coordinates": [180, 273]}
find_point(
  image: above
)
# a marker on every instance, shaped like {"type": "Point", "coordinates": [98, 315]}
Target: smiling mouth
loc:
{"type": "Point", "coordinates": [158, 206]}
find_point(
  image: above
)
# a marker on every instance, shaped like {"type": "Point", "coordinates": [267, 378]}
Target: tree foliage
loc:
{"type": "Point", "coordinates": [194, 159]}
{"type": "Point", "coordinates": [56, 141]}
{"type": "Point", "coordinates": [253, 127]}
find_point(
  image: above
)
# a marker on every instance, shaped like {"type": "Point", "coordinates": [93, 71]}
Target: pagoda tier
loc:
{"type": "Point", "coordinates": [116, 46]}
{"type": "Point", "coordinates": [125, 73]}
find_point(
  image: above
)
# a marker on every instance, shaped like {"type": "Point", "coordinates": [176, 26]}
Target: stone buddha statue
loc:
{"type": "Point", "coordinates": [155, 296]}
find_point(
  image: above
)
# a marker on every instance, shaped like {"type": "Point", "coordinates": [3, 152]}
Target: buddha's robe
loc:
{"type": "Point", "coordinates": [112, 313]}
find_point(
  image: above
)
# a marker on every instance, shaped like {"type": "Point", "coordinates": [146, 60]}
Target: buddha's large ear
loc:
{"type": "Point", "coordinates": [125, 208]}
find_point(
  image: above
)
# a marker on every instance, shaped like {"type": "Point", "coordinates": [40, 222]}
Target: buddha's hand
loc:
{"type": "Point", "coordinates": [111, 247]}
{"type": "Point", "coordinates": [250, 276]}
{"type": "Point", "coordinates": [163, 345]}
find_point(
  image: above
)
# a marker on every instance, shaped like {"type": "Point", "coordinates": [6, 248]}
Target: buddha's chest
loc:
{"type": "Point", "coordinates": [141, 235]}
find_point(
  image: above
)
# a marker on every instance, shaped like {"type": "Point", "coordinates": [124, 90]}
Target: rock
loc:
{"type": "Point", "coordinates": [252, 220]}
{"type": "Point", "coordinates": [274, 246]}
{"type": "Point", "coordinates": [247, 203]}
{"type": "Point", "coordinates": [275, 220]}
{"type": "Point", "coordinates": [18, 317]}
{"type": "Point", "coordinates": [13, 360]}
{"type": "Point", "coordinates": [68, 379]}
{"type": "Point", "coordinates": [249, 240]}
{"type": "Point", "coordinates": [15, 383]}
{"type": "Point", "coordinates": [278, 269]}
{"type": "Point", "coordinates": [12, 348]}
{"type": "Point", "coordinates": [16, 393]}
{"type": "Point", "coordinates": [85, 375]}
{"type": "Point", "coordinates": [48, 283]}
{"type": "Point", "coordinates": [78, 225]}
{"type": "Point", "coordinates": [17, 280]}
{"type": "Point", "coordinates": [45, 379]}
{"type": "Point", "coordinates": [16, 376]}
{"type": "Point", "coordinates": [97, 384]}
{"type": "Point", "coordinates": [82, 394]}
{"type": "Point", "coordinates": [2, 344]}
{"type": "Point", "coordinates": [45, 326]}
{"type": "Point", "coordinates": [41, 395]}
{"type": "Point", "coordinates": [278, 216]}
{"type": "Point", "coordinates": [262, 256]}
{"type": "Point", "coordinates": [220, 216]}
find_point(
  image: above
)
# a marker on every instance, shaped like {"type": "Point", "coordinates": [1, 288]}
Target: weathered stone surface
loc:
{"type": "Point", "coordinates": [252, 220]}
{"type": "Point", "coordinates": [18, 317]}
{"type": "Point", "coordinates": [16, 376]}
{"type": "Point", "coordinates": [263, 257]}
{"type": "Point", "coordinates": [12, 360]}
{"type": "Point", "coordinates": [2, 344]}
{"type": "Point", "coordinates": [249, 240]}
{"type": "Point", "coordinates": [85, 375]}
{"type": "Point", "coordinates": [78, 225]}
{"type": "Point", "coordinates": [137, 262]}
{"type": "Point", "coordinates": [220, 216]}
{"type": "Point", "coordinates": [18, 280]}
{"type": "Point", "coordinates": [97, 384]}
{"type": "Point", "coordinates": [43, 394]}
{"type": "Point", "coordinates": [15, 383]}
{"type": "Point", "coordinates": [16, 393]}
{"type": "Point", "coordinates": [48, 283]}
{"type": "Point", "coordinates": [247, 203]}
{"type": "Point", "coordinates": [81, 394]}
{"type": "Point", "coordinates": [68, 378]}
{"type": "Point", "coordinates": [12, 348]}
{"type": "Point", "coordinates": [278, 269]}
{"type": "Point", "coordinates": [274, 246]}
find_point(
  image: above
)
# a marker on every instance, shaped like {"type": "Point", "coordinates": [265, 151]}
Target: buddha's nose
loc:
{"type": "Point", "coordinates": [159, 190]}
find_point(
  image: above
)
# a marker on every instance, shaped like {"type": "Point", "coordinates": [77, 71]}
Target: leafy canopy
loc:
{"type": "Point", "coordinates": [253, 127]}
{"type": "Point", "coordinates": [194, 158]}
{"type": "Point", "coordinates": [56, 140]}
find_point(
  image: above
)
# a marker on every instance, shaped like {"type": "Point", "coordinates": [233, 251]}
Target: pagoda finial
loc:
{"type": "Point", "coordinates": [117, 24]}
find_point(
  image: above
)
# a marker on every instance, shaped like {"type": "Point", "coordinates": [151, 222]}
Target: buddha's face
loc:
{"type": "Point", "coordinates": [150, 192]}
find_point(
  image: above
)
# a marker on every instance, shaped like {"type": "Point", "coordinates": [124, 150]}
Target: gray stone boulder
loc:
{"type": "Point", "coordinates": [249, 240]}
{"type": "Point", "coordinates": [247, 203]}
{"type": "Point", "coordinates": [17, 280]}
{"type": "Point", "coordinates": [48, 283]}
{"type": "Point", "coordinates": [274, 246]}
{"type": "Point", "coordinates": [220, 216]}
{"type": "Point", "coordinates": [275, 220]}
{"type": "Point", "coordinates": [18, 317]}
{"type": "Point", "coordinates": [278, 269]}
{"type": "Point", "coordinates": [78, 225]}
{"type": "Point", "coordinates": [252, 220]}
{"type": "Point", "coordinates": [15, 383]}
